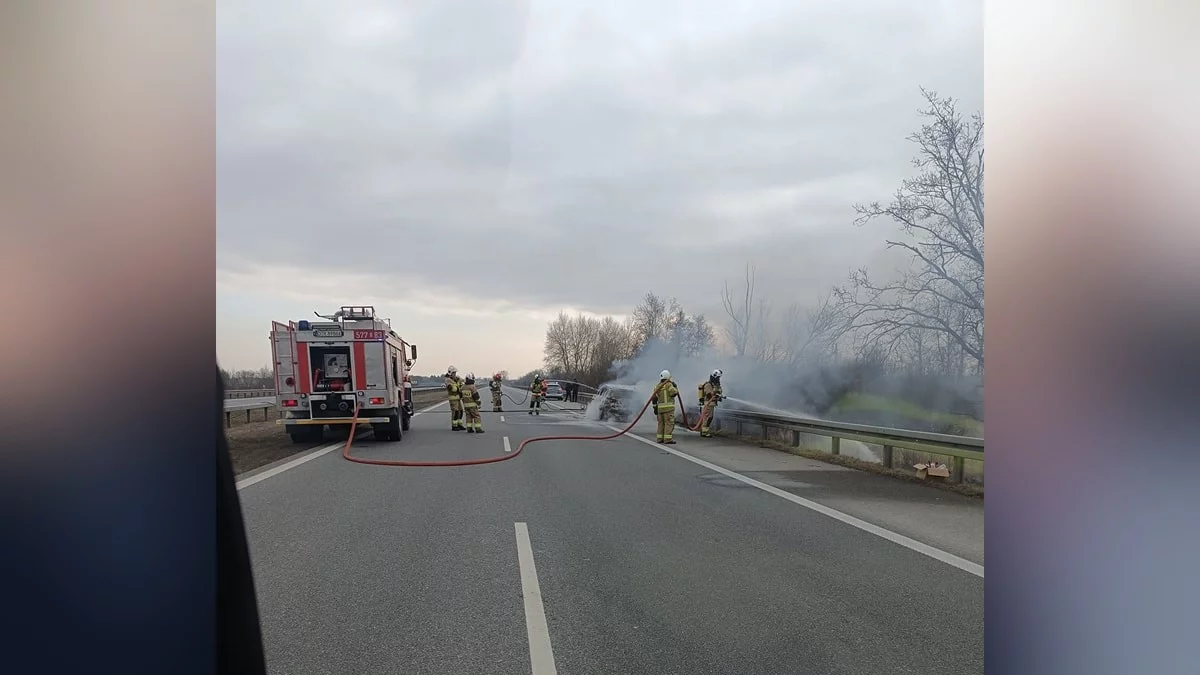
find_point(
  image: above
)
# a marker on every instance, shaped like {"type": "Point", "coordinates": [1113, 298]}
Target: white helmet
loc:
{"type": "Point", "coordinates": [452, 370]}
{"type": "Point", "coordinates": [470, 376]}
{"type": "Point", "coordinates": [664, 375]}
{"type": "Point", "coordinates": [717, 374]}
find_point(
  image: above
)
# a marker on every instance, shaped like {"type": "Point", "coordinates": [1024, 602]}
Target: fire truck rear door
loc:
{"type": "Point", "coordinates": [283, 348]}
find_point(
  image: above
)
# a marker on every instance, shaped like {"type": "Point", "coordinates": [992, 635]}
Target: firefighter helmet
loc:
{"type": "Point", "coordinates": [716, 374]}
{"type": "Point", "coordinates": [452, 370]}
{"type": "Point", "coordinates": [664, 375]}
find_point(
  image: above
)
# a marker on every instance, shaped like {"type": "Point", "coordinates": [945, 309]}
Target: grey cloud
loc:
{"type": "Point", "coordinates": [473, 133]}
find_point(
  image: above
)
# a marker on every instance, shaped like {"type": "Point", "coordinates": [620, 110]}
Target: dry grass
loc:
{"type": "Point", "coordinates": [259, 442]}
{"type": "Point", "coordinates": [967, 489]}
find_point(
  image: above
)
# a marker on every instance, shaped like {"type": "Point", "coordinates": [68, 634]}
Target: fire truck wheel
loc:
{"type": "Point", "coordinates": [312, 434]}
{"type": "Point", "coordinates": [405, 420]}
{"type": "Point", "coordinates": [389, 431]}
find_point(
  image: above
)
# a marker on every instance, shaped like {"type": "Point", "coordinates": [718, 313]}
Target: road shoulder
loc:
{"type": "Point", "coordinates": [942, 519]}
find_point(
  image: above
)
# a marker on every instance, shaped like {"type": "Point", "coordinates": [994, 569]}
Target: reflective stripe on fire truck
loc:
{"type": "Point", "coordinates": [305, 372]}
{"type": "Point", "coordinates": [359, 364]}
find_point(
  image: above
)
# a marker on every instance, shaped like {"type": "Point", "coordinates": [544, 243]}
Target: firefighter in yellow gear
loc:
{"type": "Point", "coordinates": [454, 393]}
{"type": "Point", "coordinates": [664, 408]}
{"type": "Point", "coordinates": [537, 391]}
{"type": "Point", "coordinates": [470, 401]}
{"type": "Point", "coordinates": [495, 386]}
{"type": "Point", "coordinates": [710, 394]}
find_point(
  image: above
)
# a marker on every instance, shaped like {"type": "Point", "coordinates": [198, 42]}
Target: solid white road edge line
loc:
{"type": "Point", "coordinates": [310, 456]}
{"type": "Point", "coordinates": [507, 447]}
{"type": "Point", "coordinates": [422, 411]}
{"type": "Point", "coordinates": [896, 538]}
{"type": "Point", "coordinates": [541, 655]}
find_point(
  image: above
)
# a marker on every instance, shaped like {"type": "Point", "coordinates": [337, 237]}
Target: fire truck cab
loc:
{"type": "Point", "coordinates": [326, 370]}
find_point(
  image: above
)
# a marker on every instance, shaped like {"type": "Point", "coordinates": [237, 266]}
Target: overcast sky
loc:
{"type": "Point", "coordinates": [471, 167]}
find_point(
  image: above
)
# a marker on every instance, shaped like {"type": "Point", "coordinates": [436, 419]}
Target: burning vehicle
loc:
{"type": "Point", "coordinates": [617, 402]}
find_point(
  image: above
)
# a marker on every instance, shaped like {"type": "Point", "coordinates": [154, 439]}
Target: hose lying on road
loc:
{"type": "Point", "coordinates": [488, 460]}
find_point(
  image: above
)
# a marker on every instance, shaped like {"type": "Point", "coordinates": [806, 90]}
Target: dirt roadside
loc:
{"type": "Point", "coordinates": [260, 441]}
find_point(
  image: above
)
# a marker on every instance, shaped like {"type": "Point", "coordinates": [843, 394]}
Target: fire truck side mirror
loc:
{"type": "Point", "coordinates": [414, 352]}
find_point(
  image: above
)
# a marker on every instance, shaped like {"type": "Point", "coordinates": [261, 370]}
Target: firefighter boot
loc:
{"type": "Point", "coordinates": [470, 430]}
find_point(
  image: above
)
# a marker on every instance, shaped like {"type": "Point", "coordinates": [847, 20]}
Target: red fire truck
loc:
{"type": "Point", "coordinates": [322, 368]}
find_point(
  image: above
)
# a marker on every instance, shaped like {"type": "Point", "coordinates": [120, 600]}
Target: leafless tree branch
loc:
{"type": "Point", "coordinates": [941, 210]}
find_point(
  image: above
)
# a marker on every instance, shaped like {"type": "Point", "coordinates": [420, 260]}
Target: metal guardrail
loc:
{"type": "Point", "coordinates": [250, 407]}
{"type": "Point", "coordinates": [248, 393]}
{"type": "Point", "coordinates": [791, 430]}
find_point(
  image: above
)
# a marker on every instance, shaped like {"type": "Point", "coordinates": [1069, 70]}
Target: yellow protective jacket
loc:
{"type": "Point", "coordinates": [454, 387]}
{"type": "Point", "coordinates": [664, 398]}
{"type": "Point", "coordinates": [470, 396]}
{"type": "Point", "coordinates": [538, 388]}
{"type": "Point", "coordinates": [495, 385]}
{"type": "Point", "coordinates": [710, 392]}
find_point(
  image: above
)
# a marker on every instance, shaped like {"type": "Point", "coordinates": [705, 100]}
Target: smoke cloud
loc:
{"type": "Point", "coordinates": [901, 400]}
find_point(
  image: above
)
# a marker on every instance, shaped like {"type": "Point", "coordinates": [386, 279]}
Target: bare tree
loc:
{"type": "Point", "coordinates": [740, 312]}
{"type": "Point", "coordinates": [813, 333]}
{"type": "Point", "coordinates": [651, 318]}
{"type": "Point", "coordinates": [767, 342]}
{"type": "Point", "coordinates": [690, 333]}
{"type": "Point", "coordinates": [613, 341]}
{"type": "Point", "coordinates": [941, 212]}
{"type": "Point", "coordinates": [558, 347]}
{"type": "Point", "coordinates": [262, 378]}
{"type": "Point", "coordinates": [584, 348]}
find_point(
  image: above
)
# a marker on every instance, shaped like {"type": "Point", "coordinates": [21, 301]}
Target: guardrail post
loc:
{"type": "Point", "coordinates": [795, 438]}
{"type": "Point", "coordinates": [835, 445]}
{"type": "Point", "coordinates": [247, 415]}
{"type": "Point", "coordinates": [228, 413]}
{"type": "Point", "coordinates": [958, 474]}
{"type": "Point", "coordinates": [888, 457]}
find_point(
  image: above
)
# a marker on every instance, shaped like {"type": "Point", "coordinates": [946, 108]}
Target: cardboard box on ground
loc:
{"type": "Point", "coordinates": [932, 470]}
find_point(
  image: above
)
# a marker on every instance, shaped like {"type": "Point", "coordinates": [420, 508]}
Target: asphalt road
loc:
{"type": "Point", "coordinates": [636, 560]}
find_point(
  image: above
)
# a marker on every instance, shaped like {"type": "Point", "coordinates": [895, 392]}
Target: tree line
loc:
{"type": "Point", "coordinates": [925, 322]}
{"type": "Point", "coordinates": [262, 378]}
{"type": "Point", "coordinates": [583, 348]}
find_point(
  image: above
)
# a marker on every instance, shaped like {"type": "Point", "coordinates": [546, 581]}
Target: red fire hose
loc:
{"type": "Point", "coordinates": [485, 460]}
{"type": "Point", "coordinates": [509, 455]}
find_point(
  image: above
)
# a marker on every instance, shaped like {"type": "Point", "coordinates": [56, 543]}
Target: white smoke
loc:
{"type": "Point", "coordinates": [750, 384]}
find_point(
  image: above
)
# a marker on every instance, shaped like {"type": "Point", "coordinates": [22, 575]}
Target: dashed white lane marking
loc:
{"type": "Point", "coordinates": [541, 655]}
{"type": "Point", "coordinates": [507, 447]}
